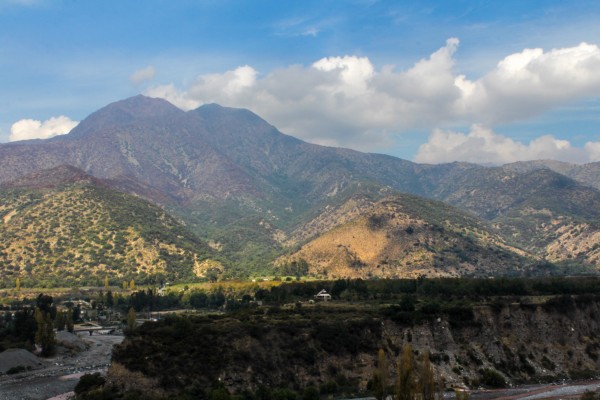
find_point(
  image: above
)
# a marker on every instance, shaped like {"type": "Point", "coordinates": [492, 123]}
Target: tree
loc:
{"type": "Point", "coordinates": [109, 299]}
{"type": "Point", "coordinates": [69, 321]}
{"type": "Point", "coordinates": [131, 319]}
{"type": "Point", "coordinates": [18, 284]}
{"type": "Point", "coordinates": [106, 282]}
{"type": "Point", "coordinates": [76, 313]}
{"type": "Point", "coordinates": [405, 385]}
{"type": "Point", "coordinates": [131, 285]}
{"type": "Point", "coordinates": [44, 302]}
{"type": "Point", "coordinates": [427, 384]}
{"type": "Point", "coordinates": [23, 325]}
{"type": "Point", "coordinates": [44, 335]}
{"type": "Point", "coordinates": [380, 376]}
{"type": "Point", "coordinates": [60, 321]}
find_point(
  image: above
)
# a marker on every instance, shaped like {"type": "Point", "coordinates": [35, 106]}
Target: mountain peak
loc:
{"type": "Point", "coordinates": [127, 111]}
{"type": "Point", "coordinates": [140, 106]}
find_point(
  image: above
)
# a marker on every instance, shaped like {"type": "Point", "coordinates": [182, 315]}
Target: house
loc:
{"type": "Point", "coordinates": [323, 296]}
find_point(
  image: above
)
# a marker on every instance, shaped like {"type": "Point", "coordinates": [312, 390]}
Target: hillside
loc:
{"type": "Point", "coordinates": [541, 211]}
{"type": "Point", "coordinates": [65, 227]}
{"type": "Point", "coordinates": [405, 236]}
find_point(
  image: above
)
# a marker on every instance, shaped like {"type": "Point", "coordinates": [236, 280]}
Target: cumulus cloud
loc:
{"type": "Point", "coordinates": [33, 129]}
{"type": "Point", "coordinates": [481, 145]}
{"type": "Point", "coordinates": [531, 82]}
{"type": "Point", "coordinates": [347, 101]}
{"type": "Point", "coordinates": [142, 75]}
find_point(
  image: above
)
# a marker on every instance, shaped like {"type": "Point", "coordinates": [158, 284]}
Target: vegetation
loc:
{"type": "Point", "coordinates": [314, 348]}
{"type": "Point", "coordinates": [84, 233]}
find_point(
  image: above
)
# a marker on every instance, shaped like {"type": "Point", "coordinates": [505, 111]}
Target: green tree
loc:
{"type": "Point", "coordinates": [109, 299]}
{"type": "Point", "coordinates": [18, 284]}
{"type": "Point", "coordinates": [405, 385]}
{"type": "Point", "coordinates": [380, 381]}
{"type": "Point", "coordinates": [69, 321]}
{"type": "Point", "coordinates": [131, 319]}
{"type": "Point", "coordinates": [131, 284]}
{"type": "Point", "coordinates": [60, 321]}
{"type": "Point", "coordinates": [427, 383]}
{"type": "Point", "coordinates": [106, 282]}
{"type": "Point", "coordinates": [44, 335]}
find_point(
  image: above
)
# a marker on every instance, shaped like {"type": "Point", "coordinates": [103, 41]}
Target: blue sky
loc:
{"type": "Point", "coordinates": [432, 81]}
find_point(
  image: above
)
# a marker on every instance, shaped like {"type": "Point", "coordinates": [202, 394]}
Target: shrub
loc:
{"type": "Point", "coordinates": [16, 370]}
{"type": "Point", "coordinates": [492, 378]}
{"type": "Point", "coordinates": [310, 393]}
{"type": "Point", "coordinates": [89, 382]}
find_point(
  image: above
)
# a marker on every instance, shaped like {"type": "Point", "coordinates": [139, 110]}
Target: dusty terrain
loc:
{"type": "Point", "coordinates": [539, 392]}
{"type": "Point", "coordinates": [61, 373]}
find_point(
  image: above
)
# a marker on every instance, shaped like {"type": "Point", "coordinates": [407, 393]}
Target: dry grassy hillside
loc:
{"type": "Point", "coordinates": [405, 236]}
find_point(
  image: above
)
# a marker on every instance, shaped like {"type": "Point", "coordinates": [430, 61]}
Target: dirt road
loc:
{"type": "Point", "coordinates": [62, 374]}
{"type": "Point", "coordinates": [539, 392]}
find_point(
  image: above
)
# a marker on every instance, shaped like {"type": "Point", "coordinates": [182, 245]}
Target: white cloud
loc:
{"type": "Point", "coordinates": [33, 129]}
{"type": "Point", "coordinates": [347, 101]}
{"type": "Point", "coordinates": [531, 82]}
{"type": "Point", "coordinates": [481, 145]}
{"type": "Point", "coordinates": [142, 75]}
{"type": "Point", "coordinates": [311, 31]}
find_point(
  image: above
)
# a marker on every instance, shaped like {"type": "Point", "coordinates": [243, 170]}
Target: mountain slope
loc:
{"type": "Point", "coordinates": [541, 211]}
{"type": "Point", "coordinates": [587, 174]}
{"type": "Point", "coordinates": [65, 227]}
{"type": "Point", "coordinates": [406, 236]}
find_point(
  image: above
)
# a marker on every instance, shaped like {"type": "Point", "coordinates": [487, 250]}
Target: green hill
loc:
{"type": "Point", "coordinates": [80, 231]}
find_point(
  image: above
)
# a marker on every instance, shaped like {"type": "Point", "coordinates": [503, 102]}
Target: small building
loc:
{"type": "Point", "coordinates": [323, 296]}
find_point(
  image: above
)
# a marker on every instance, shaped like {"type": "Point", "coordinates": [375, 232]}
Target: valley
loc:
{"type": "Point", "coordinates": [215, 210]}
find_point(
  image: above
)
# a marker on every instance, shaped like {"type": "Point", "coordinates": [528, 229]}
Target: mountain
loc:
{"type": "Point", "coordinates": [230, 175]}
{"type": "Point", "coordinates": [253, 193]}
{"type": "Point", "coordinates": [62, 226]}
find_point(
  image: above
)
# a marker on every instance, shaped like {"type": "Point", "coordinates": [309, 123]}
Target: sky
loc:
{"type": "Point", "coordinates": [430, 81]}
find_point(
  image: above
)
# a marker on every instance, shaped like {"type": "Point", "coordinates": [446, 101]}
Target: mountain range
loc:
{"type": "Point", "coordinates": [251, 199]}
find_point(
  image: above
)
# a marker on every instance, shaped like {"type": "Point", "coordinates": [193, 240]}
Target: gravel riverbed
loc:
{"type": "Point", "coordinates": [61, 373]}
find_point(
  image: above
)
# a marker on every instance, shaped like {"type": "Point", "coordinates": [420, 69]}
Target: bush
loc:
{"type": "Point", "coordinates": [310, 393]}
{"type": "Point", "coordinates": [17, 369]}
{"type": "Point", "coordinates": [89, 382]}
{"type": "Point", "coordinates": [492, 378]}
